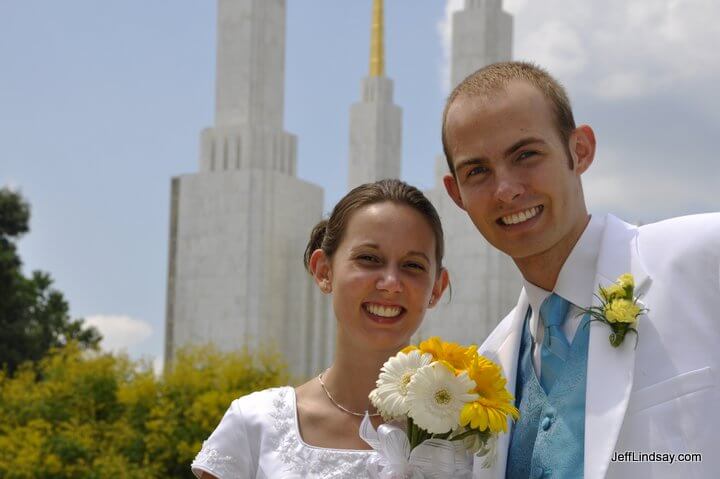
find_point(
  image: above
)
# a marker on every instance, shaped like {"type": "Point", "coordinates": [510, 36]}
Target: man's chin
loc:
{"type": "Point", "coordinates": [520, 251]}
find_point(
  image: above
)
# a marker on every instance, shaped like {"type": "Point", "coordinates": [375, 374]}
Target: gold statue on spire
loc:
{"type": "Point", "coordinates": [377, 49]}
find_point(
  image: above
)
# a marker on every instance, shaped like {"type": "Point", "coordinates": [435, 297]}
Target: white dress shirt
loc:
{"type": "Point", "coordinates": [574, 283]}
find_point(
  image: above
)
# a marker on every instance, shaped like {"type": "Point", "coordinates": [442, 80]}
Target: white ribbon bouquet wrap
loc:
{"type": "Point", "coordinates": [455, 404]}
{"type": "Point", "coordinates": [433, 459]}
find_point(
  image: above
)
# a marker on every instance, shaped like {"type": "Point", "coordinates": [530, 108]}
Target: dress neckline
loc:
{"type": "Point", "coordinates": [296, 429]}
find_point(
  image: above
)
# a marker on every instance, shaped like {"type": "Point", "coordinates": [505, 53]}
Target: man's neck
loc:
{"type": "Point", "coordinates": [543, 269]}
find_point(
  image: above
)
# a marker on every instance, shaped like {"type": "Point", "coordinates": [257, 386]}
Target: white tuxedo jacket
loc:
{"type": "Point", "coordinates": [662, 396]}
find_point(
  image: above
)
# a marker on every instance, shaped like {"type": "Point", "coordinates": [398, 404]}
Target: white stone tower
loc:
{"type": "Point", "coordinates": [238, 227]}
{"type": "Point", "coordinates": [481, 34]}
{"type": "Point", "coordinates": [375, 122]}
{"type": "Point", "coordinates": [485, 282]}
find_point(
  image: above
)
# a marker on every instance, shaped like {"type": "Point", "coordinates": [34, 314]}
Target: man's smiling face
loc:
{"type": "Point", "coordinates": [514, 175]}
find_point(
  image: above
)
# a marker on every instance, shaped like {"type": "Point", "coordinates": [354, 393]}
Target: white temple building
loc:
{"type": "Point", "coordinates": [239, 226]}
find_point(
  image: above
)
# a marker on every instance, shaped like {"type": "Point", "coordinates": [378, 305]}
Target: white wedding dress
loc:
{"type": "Point", "coordinates": [259, 438]}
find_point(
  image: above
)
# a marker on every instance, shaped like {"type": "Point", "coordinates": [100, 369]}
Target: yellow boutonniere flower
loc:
{"type": "Point", "coordinates": [621, 311]}
{"type": "Point", "coordinates": [619, 308]}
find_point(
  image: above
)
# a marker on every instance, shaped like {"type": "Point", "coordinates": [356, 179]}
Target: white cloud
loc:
{"type": "Point", "coordinates": [120, 332]}
{"type": "Point", "coordinates": [557, 46]}
{"type": "Point", "coordinates": [514, 7]}
{"type": "Point", "coordinates": [615, 183]}
{"type": "Point", "coordinates": [625, 84]}
{"type": "Point", "coordinates": [620, 49]}
{"type": "Point", "coordinates": [11, 185]}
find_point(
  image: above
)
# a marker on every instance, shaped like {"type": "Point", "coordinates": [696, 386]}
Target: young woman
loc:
{"type": "Point", "coordinates": [380, 256]}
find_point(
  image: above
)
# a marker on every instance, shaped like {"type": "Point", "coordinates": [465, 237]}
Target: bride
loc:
{"type": "Point", "coordinates": [380, 256]}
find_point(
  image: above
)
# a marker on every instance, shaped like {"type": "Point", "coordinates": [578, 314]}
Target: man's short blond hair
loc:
{"type": "Point", "coordinates": [495, 77]}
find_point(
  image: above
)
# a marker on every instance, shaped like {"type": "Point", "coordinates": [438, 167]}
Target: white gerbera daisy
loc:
{"type": "Point", "coordinates": [436, 396]}
{"type": "Point", "coordinates": [395, 375]}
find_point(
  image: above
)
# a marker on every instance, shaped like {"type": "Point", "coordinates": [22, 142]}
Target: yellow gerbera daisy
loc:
{"type": "Point", "coordinates": [453, 354]}
{"type": "Point", "coordinates": [494, 404]}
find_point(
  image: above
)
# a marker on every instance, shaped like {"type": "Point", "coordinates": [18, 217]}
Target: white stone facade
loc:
{"type": "Point", "coordinates": [250, 70]}
{"type": "Point", "coordinates": [485, 282]}
{"type": "Point", "coordinates": [375, 134]}
{"type": "Point", "coordinates": [239, 227]}
{"type": "Point", "coordinates": [481, 34]}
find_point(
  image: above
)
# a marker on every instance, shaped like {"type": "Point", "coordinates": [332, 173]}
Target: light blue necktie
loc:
{"type": "Point", "coordinates": [555, 346]}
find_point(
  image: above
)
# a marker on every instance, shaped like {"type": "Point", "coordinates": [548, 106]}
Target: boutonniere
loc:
{"type": "Point", "coordinates": [619, 308]}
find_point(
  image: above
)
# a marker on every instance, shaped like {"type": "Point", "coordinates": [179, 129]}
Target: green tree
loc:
{"type": "Point", "coordinates": [90, 415]}
{"type": "Point", "coordinates": [33, 316]}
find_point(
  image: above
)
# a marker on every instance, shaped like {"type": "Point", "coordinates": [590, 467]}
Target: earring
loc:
{"type": "Point", "coordinates": [432, 300]}
{"type": "Point", "coordinates": [325, 286]}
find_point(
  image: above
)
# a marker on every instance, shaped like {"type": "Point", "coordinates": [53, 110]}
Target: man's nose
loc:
{"type": "Point", "coordinates": [509, 187]}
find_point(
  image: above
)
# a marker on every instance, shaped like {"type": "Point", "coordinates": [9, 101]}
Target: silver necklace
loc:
{"type": "Point", "coordinates": [339, 406]}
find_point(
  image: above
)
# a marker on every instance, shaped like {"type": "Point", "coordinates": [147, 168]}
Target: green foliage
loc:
{"type": "Point", "coordinates": [33, 316]}
{"type": "Point", "coordinates": [86, 415]}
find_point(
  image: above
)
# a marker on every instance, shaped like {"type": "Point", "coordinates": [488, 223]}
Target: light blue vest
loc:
{"type": "Point", "coordinates": [548, 439]}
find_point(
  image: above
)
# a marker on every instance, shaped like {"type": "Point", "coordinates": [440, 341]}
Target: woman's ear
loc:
{"type": "Point", "coordinates": [441, 283]}
{"type": "Point", "coordinates": [321, 270]}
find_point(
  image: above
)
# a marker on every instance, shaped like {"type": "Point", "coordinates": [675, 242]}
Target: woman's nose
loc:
{"type": "Point", "coordinates": [389, 280]}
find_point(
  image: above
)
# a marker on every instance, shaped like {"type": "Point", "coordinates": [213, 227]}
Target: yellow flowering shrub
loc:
{"type": "Point", "coordinates": [89, 415]}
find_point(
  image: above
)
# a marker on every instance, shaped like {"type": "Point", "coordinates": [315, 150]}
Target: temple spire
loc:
{"type": "Point", "coordinates": [375, 121]}
{"type": "Point", "coordinates": [377, 49]}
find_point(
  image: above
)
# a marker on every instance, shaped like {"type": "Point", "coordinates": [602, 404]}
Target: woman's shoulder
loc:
{"type": "Point", "coordinates": [255, 413]}
{"type": "Point", "coordinates": [262, 402]}
{"type": "Point", "coordinates": [233, 448]}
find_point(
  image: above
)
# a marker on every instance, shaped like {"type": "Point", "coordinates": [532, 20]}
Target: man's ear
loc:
{"type": "Point", "coordinates": [321, 270]}
{"type": "Point", "coordinates": [451, 186]}
{"type": "Point", "coordinates": [582, 147]}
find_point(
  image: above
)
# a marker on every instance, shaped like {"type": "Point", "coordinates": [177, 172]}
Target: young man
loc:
{"type": "Point", "coordinates": [588, 409]}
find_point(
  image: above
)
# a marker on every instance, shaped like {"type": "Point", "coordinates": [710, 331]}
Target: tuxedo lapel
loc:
{"type": "Point", "coordinates": [610, 369]}
{"type": "Point", "coordinates": [504, 350]}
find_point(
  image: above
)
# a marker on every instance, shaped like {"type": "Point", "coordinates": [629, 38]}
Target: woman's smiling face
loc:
{"type": "Point", "coordinates": [384, 275]}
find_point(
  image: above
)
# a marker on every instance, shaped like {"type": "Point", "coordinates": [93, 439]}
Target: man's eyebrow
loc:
{"type": "Point", "coordinates": [482, 160]}
{"type": "Point", "coordinates": [470, 162]}
{"type": "Point", "coordinates": [523, 142]}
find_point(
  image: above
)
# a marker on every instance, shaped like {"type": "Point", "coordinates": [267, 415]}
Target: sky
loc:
{"type": "Point", "coordinates": [102, 103]}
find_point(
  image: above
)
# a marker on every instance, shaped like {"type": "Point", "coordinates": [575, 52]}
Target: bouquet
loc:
{"type": "Point", "coordinates": [454, 403]}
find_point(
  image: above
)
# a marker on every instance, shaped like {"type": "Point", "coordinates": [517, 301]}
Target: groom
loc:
{"type": "Point", "coordinates": [646, 408]}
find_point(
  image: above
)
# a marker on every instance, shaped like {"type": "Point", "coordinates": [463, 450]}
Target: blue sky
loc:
{"type": "Point", "coordinates": [101, 103]}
